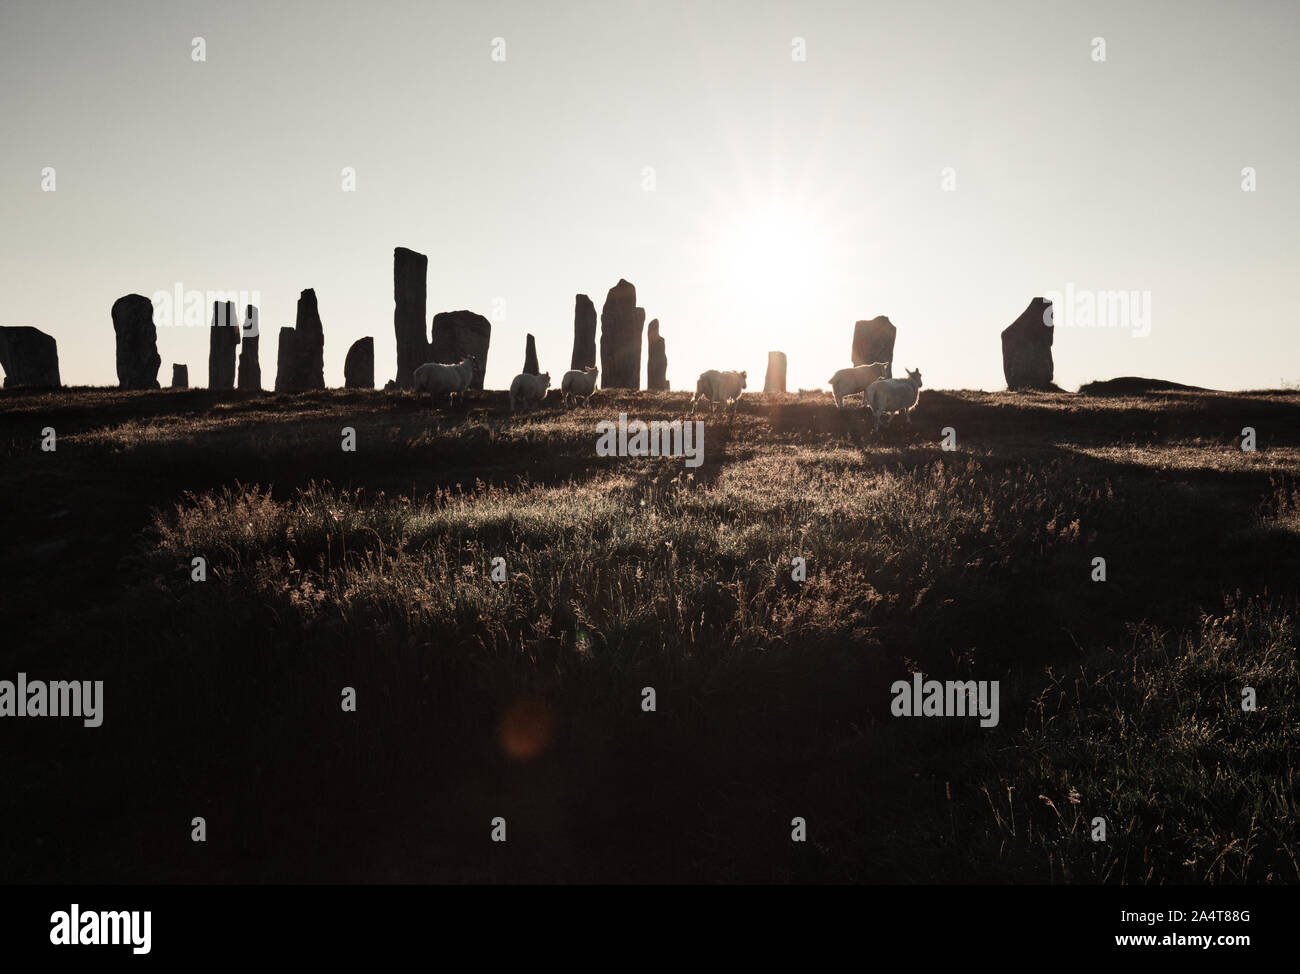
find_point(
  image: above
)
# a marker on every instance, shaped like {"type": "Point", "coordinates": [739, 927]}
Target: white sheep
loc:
{"type": "Point", "coordinates": [527, 389]}
{"type": "Point", "coordinates": [578, 384]}
{"type": "Point", "coordinates": [847, 382]}
{"type": "Point", "coordinates": [724, 387]}
{"type": "Point", "coordinates": [894, 396]}
{"type": "Point", "coordinates": [451, 381]}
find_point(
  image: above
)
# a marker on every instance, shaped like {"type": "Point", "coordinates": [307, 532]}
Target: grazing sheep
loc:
{"type": "Point", "coordinates": [894, 396]}
{"type": "Point", "coordinates": [528, 389]}
{"type": "Point", "coordinates": [724, 387]}
{"type": "Point", "coordinates": [847, 382]}
{"type": "Point", "coordinates": [445, 380]}
{"type": "Point", "coordinates": [578, 384]}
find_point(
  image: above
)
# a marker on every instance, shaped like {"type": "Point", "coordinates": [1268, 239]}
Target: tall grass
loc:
{"type": "Point", "coordinates": [1153, 739]}
{"type": "Point", "coordinates": [374, 571]}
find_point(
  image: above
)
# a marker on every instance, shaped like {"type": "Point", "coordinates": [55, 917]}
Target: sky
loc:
{"type": "Point", "coordinates": [939, 163]}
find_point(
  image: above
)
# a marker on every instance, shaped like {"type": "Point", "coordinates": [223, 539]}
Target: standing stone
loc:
{"type": "Point", "coordinates": [656, 365]}
{"type": "Point", "coordinates": [250, 368]}
{"type": "Point", "coordinates": [584, 333]}
{"type": "Point", "coordinates": [180, 376]}
{"type": "Point", "coordinates": [138, 360]}
{"type": "Point", "coordinates": [530, 357]}
{"type": "Point", "coordinates": [621, 325]}
{"type": "Point", "coordinates": [359, 366]}
{"type": "Point", "coordinates": [1027, 348]}
{"type": "Point", "coordinates": [409, 283]}
{"type": "Point", "coordinates": [311, 342]}
{"type": "Point", "coordinates": [873, 341]}
{"type": "Point", "coordinates": [774, 381]}
{"type": "Point", "coordinates": [460, 333]}
{"type": "Point", "coordinates": [300, 362]}
{"type": "Point", "coordinates": [29, 358]}
{"type": "Point", "coordinates": [223, 338]}
{"type": "Point", "coordinates": [286, 361]}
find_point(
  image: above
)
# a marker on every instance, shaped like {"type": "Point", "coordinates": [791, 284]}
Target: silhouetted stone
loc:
{"type": "Point", "coordinates": [584, 333]}
{"type": "Point", "coordinates": [873, 341]}
{"type": "Point", "coordinates": [530, 357]}
{"type": "Point", "coordinates": [1027, 348]}
{"type": "Point", "coordinates": [460, 333]}
{"type": "Point", "coordinates": [410, 272]}
{"type": "Point", "coordinates": [359, 366]}
{"type": "Point", "coordinates": [656, 365]}
{"type": "Point", "coordinates": [621, 325]}
{"type": "Point", "coordinates": [286, 361]}
{"type": "Point", "coordinates": [180, 376]}
{"type": "Point", "coordinates": [223, 339]}
{"type": "Point", "coordinates": [250, 368]}
{"type": "Point", "coordinates": [300, 362]}
{"type": "Point", "coordinates": [29, 357]}
{"type": "Point", "coordinates": [138, 360]}
{"type": "Point", "coordinates": [311, 342]}
{"type": "Point", "coordinates": [774, 381]}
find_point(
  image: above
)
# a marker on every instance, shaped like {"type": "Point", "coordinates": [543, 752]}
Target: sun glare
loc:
{"type": "Point", "coordinates": [769, 259]}
{"type": "Point", "coordinates": [775, 249]}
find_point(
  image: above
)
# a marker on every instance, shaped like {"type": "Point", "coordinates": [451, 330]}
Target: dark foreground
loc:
{"type": "Point", "coordinates": [522, 699]}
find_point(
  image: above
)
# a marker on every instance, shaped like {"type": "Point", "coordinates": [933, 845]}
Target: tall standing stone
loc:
{"type": "Point", "coordinates": [223, 339]}
{"type": "Point", "coordinates": [873, 341]}
{"type": "Point", "coordinates": [410, 271]}
{"type": "Point", "coordinates": [29, 357]}
{"type": "Point", "coordinates": [311, 342]}
{"type": "Point", "coordinates": [584, 333]}
{"type": "Point", "coordinates": [359, 366]}
{"type": "Point", "coordinates": [300, 362]}
{"type": "Point", "coordinates": [774, 381]}
{"type": "Point", "coordinates": [656, 364]}
{"type": "Point", "coordinates": [286, 361]}
{"type": "Point", "coordinates": [530, 357]}
{"type": "Point", "coordinates": [621, 326]}
{"type": "Point", "coordinates": [1027, 348]}
{"type": "Point", "coordinates": [250, 368]}
{"type": "Point", "coordinates": [180, 376]}
{"type": "Point", "coordinates": [138, 360]}
{"type": "Point", "coordinates": [460, 333]}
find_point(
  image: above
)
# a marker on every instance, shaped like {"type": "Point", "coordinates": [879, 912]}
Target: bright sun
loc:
{"type": "Point", "coordinates": [769, 259]}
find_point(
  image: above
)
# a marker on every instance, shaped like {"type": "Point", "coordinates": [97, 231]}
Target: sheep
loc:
{"type": "Point", "coordinates": [724, 387]}
{"type": "Point", "coordinates": [894, 396]}
{"type": "Point", "coordinates": [579, 384]}
{"type": "Point", "coordinates": [847, 382]}
{"type": "Point", "coordinates": [451, 381]}
{"type": "Point", "coordinates": [526, 389]}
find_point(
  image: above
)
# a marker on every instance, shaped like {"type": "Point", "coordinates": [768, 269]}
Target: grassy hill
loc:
{"type": "Point", "coordinates": [522, 698]}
